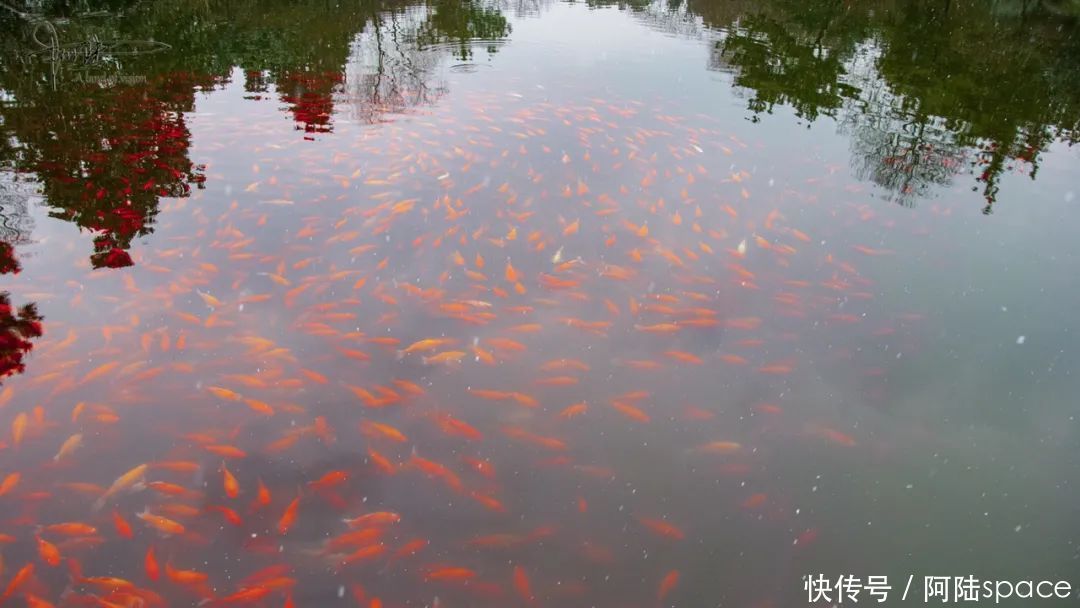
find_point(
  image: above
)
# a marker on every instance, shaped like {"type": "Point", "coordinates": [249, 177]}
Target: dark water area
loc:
{"type": "Point", "coordinates": [536, 304]}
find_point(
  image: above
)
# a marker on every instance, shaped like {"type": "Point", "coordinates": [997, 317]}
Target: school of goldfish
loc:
{"type": "Point", "coordinates": [528, 354]}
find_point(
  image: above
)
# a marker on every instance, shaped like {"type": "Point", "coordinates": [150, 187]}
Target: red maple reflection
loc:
{"type": "Point", "coordinates": [17, 325]}
{"type": "Point", "coordinates": [116, 153]}
{"type": "Point", "coordinates": [8, 263]}
{"type": "Point", "coordinates": [310, 97]}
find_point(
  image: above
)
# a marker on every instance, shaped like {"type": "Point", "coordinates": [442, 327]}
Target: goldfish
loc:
{"type": "Point", "coordinates": [426, 345]}
{"type": "Point", "coordinates": [10, 481]}
{"type": "Point", "coordinates": [459, 428]}
{"type": "Point", "coordinates": [229, 482]}
{"type": "Point", "coordinates": [246, 595]}
{"type": "Point", "coordinates": [832, 435]}
{"type": "Point", "coordinates": [630, 411]}
{"type": "Point", "coordinates": [33, 601]}
{"type": "Point", "coordinates": [550, 443]}
{"type": "Point", "coordinates": [557, 381]}
{"type": "Point", "coordinates": [363, 554]}
{"type": "Point", "coordinates": [362, 536]}
{"type": "Point", "coordinates": [571, 411]}
{"type": "Point", "coordinates": [378, 429]}
{"type": "Point", "coordinates": [288, 518]}
{"type": "Point", "coordinates": [161, 524]}
{"type": "Point", "coordinates": [450, 574]}
{"type": "Point", "coordinates": [377, 518]}
{"type": "Point", "coordinates": [667, 585]}
{"type": "Point", "coordinates": [489, 394]}
{"type": "Point", "coordinates": [185, 577]}
{"type": "Point", "coordinates": [123, 483]}
{"type": "Point", "coordinates": [522, 585]}
{"type": "Point", "coordinates": [225, 451]}
{"type": "Point", "coordinates": [258, 406]}
{"type": "Point", "coordinates": [775, 369]}
{"type": "Point", "coordinates": [122, 527]}
{"type": "Point", "coordinates": [48, 551]}
{"type": "Point", "coordinates": [224, 393]}
{"type": "Point", "coordinates": [21, 577]}
{"type": "Point", "coordinates": [662, 528]}
{"type": "Point", "coordinates": [210, 301]}
{"type": "Point", "coordinates": [563, 364]}
{"type": "Point", "coordinates": [262, 495]}
{"type": "Point", "coordinates": [685, 357]}
{"type": "Point", "coordinates": [506, 344]}
{"type": "Point", "coordinates": [446, 357]}
{"type": "Point", "coordinates": [410, 548]}
{"type": "Point", "coordinates": [719, 447]}
{"type": "Point", "coordinates": [150, 565]}
{"type": "Point", "coordinates": [69, 446]}
{"type": "Point", "coordinates": [435, 469]}
{"type": "Point", "coordinates": [18, 428]}
{"type": "Point", "coordinates": [99, 372]}
{"type": "Point", "coordinates": [71, 529]}
{"type": "Point", "coordinates": [511, 273]}
{"type": "Point", "coordinates": [658, 328]}
{"type": "Point", "coordinates": [329, 480]}
{"type": "Point", "coordinates": [754, 501]}
{"type": "Point", "coordinates": [381, 462]}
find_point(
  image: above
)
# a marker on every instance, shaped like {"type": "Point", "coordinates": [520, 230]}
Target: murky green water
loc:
{"type": "Point", "coordinates": [559, 304]}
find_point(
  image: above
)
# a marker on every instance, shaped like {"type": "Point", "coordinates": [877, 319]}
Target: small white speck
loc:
{"type": "Point", "coordinates": [1021, 339]}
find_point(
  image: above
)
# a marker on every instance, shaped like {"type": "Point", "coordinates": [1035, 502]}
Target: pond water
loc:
{"type": "Point", "coordinates": [537, 303]}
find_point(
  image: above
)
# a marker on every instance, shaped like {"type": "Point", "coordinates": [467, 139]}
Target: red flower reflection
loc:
{"type": "Point", "coordinates": [310, 97]}
{"type": "Point", "coordinates": [17, 325]}
{"type": "Point", "coordinates": [120, 150]}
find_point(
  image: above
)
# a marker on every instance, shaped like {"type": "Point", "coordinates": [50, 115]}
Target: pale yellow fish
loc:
{"type": "Point", "coordinates": [124, 482]}
{"type": "Point", "coordinates": [18, 428]}
{"type": "Point", "coordinates": [70, 445]}
{"type": "Point", "coordinates": [720, 447]}
{"type": "Point", "coordinates": [210, 300]}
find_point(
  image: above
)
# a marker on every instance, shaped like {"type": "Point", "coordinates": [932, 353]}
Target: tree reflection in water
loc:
{"type": "Point", "coordinates": [104, 156]}
{"type": "Point", "coordinates": [18, 325]}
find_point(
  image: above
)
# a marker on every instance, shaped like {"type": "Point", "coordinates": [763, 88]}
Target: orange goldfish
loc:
{"type": "Point", "coordinates": [231, 485]}
{"type": "Point", "coordinates": [161, 524]}
{"type": "Point", "coordinates": [662, 528]}
{"type": "Point", "coordinates": [667, 584]}
{"type": "Point", "coordinates": [522, 585]}
{"type": "Point", "coordinates": [288, 518]}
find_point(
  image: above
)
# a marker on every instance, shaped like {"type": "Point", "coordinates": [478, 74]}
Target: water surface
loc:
{"type": "Point", "coordinates": [589, 304]}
